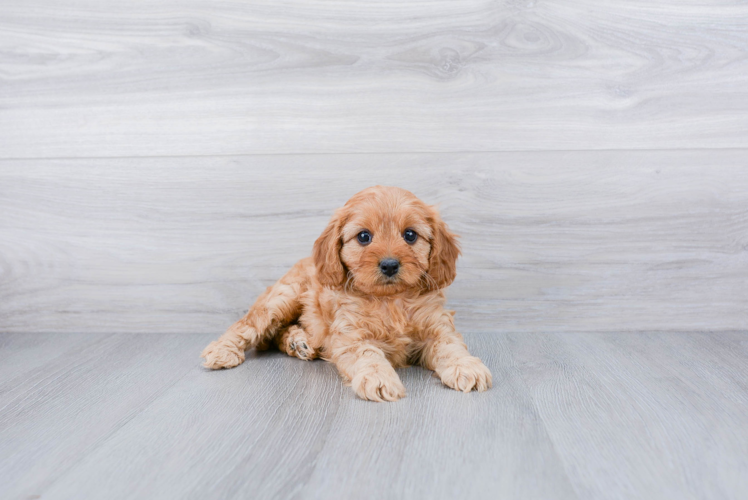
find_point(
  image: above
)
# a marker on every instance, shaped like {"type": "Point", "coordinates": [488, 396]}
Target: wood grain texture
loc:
{"type": "Point", "coordinates": [56, 413]}
{"type": "Point", "coordinates": [575, 241]}
{"type": "Point", "coordinates": [142, 78]}
{"type": "Point", "coordinates": [659, 390]}
{"type": "Point", "coordinates": [571, 416]}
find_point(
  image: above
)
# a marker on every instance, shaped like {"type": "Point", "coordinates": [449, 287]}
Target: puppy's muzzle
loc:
{"type": "Point", "coordinates": [389, 267]}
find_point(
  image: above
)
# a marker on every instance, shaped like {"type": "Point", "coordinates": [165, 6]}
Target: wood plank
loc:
{"type": "Point", "coordinates": [22, 353]}
{"type": "Point", "coordinates": [579, 241]}
{"type": "Point", "coordinates": [55, 415]}
{"type": "Point", "coordinates": [140, 78]}
{"type": "Point", "coordinates": [643, 415]}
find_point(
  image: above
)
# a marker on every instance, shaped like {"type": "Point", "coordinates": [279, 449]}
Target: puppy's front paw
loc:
{"type": "Point", "coordinates": [378, 383]}
{"type": "Point", "coordinates": [466, 374]}
{"type": "Point", "coordinates": [220, 354]}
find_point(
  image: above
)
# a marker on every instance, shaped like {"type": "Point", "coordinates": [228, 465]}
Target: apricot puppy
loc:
{"type": "Point", "coordinates": [370, 299]}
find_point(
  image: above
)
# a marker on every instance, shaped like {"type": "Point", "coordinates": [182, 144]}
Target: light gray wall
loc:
{"type": "Point", "coordinates": [162, 162]}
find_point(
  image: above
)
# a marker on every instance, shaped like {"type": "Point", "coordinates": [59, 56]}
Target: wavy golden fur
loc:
{"type": "Point", "coordinates": [368, 303]}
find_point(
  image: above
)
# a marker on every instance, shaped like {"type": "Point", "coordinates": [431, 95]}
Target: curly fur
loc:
{"type": "Point", "coordinates": [339, 306]}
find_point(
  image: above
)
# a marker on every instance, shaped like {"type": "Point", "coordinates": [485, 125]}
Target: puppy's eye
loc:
{"type": "Point", "coordinates": [410, 236]}
{"type": "Point", "coordinates": [364, 237]}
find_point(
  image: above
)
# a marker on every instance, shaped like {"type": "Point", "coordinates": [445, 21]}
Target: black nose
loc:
{"type": "Point", "coordinates": [389, 267]}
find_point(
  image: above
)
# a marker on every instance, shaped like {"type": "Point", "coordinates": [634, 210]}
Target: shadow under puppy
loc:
{"type": "Point", "coordinates": [369, 299]}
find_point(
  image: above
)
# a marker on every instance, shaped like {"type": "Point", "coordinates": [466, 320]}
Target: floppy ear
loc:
{"type": "Point", "coordinates": [444, 252]}
{"type": "Point", "coordinates": [326, 253]}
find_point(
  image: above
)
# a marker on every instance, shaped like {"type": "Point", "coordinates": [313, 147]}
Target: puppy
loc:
{"type": "Point", "coordinates": [370, 299]}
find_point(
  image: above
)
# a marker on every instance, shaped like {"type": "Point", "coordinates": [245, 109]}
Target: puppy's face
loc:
{"type": "Point", "coordinates": [385, 241]}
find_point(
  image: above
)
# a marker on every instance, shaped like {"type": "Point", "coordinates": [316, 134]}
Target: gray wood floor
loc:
{"type": "Point", "coordinates": [571, 415]}
{"type": "Point", "coordinates": [162, 161]}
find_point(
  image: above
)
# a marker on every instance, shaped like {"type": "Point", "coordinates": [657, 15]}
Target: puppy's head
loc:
{"type": "Point", "coordinates": [385, 241]}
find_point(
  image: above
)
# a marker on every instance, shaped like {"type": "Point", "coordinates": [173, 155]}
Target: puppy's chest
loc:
{"type": "Point", "coordinates": [395, 317]}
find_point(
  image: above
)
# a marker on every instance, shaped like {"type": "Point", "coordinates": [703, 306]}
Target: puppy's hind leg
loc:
{"type": "Point", "coordinates": [274, 309]}
{"type": "Point", "coordinates": [295, 342]}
